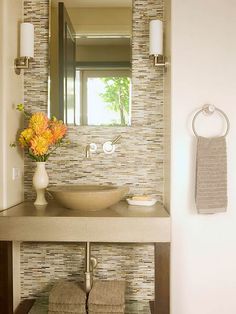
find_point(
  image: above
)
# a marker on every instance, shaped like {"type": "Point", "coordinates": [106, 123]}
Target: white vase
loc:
{"type": "Point", "coordinates": [40, 182]}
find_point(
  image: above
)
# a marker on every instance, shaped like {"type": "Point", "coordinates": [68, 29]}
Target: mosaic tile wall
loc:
{"type": "Point", "coordinates": [48, 262]}
{"type": "Point", "coordinates": [137, 162]}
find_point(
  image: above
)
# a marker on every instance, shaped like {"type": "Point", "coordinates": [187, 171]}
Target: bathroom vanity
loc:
{"type": "Point", "coordinates": [120, 223]}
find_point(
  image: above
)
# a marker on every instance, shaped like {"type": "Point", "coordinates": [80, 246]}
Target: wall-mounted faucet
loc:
{"type": "Point", "coordinates": [90, 148]}
{"type": "Point", "coordinates": [108, 147]}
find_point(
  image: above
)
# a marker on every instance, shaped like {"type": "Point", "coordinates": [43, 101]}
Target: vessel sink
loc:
{"type": "Point", "coordinates": [87, 197]}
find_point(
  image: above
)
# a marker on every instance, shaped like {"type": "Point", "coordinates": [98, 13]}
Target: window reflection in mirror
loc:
{"type": "Point", "coordinates": [106, 93]}
{"type": "Point", "coordinates": [90, 62]}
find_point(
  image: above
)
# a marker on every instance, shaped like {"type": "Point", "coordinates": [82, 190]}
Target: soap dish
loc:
{"type": "Point", "coordinates": [149, 202]}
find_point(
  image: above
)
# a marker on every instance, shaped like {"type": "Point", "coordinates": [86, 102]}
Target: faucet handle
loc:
{"type": "Point", "coordinates": [109, 147]}
{"type": "Point", "coordinates": [116, 139]}
{"type": "Point", "coordinates": [93, 147]}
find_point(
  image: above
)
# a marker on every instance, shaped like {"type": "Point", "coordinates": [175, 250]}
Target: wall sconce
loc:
{"type": "Point", "coordinates": [26, 47]}
{"type": "Point", "coordinates": [156, 43]}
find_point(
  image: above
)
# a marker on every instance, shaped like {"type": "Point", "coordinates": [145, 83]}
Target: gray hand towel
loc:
{"type": "Point", "coordinates": [63, 312]}
{"type": "Point", "coordinates": [211, 175]}
{"type": "Point", "coordinates": [67, 293]}
{"type": "Point", "coordinates": [107, 293]}
{"type": "Point", "coordinates": [106, 308]}
{"type": "Point", "coordinates": [91, 312]}
{"type": "Point", "coordinates": [73, 308]}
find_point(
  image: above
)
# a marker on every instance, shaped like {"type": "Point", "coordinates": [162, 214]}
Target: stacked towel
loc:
{"type": "Point", "coordinates": [67, 298]}
{"type": "Point", "coordinates": [211, 176]}
{"type": "Point", "coordinates": [107, 297]}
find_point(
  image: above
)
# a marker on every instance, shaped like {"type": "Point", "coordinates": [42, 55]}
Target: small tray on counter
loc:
{"type": "Point", "coordinates": [148, 202]}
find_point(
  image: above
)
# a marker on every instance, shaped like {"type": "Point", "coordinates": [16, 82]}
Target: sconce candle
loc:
{"type": "Point", "coordinates": [156, 38]}
{"type": "Point", "coordinates": [156, 43]}
{"type": "Point", "coordinates": [27, 40]}
{"type": "Point", "coordinates": [26, 47]}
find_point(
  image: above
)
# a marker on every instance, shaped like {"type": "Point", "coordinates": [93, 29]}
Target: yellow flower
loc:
{"type": "Point", "coordinates": [42, 137]}
{"type": "Point", "coordinates": [58, 129]}
{"type": "Point", "coordinates": [39, 145]}
{"type": "Point", "coordinates": [38, 122]}
{"type": "Point", "coordinates": [25, 137]}
{"type": "Point", "coordinates": [20, 107]}
{"type": "Point", "coordinates": [48, 136]}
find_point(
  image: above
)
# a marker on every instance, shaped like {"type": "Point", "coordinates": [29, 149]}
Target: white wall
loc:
{"type": "Point", "coordinates": [203, 265]}
{"type": "Point", "coordinates": [167, 102]}
{"type": "Point", "coordinates": [11, 93]}
{"type": "Point", "coordinates": [1, 101]}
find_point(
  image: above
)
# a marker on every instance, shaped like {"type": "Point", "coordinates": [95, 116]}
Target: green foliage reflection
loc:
{"type": "Point", "coordinates": [117, 95]}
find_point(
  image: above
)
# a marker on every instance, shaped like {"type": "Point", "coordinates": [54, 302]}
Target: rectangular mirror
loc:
{"type": "Point", "coordinates": [90, 62]}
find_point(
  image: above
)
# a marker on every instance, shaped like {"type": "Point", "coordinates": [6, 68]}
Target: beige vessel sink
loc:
{"type": "Point", "coordinates": [87, 197]}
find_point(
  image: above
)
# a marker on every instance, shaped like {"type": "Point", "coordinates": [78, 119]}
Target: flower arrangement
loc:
{"type": "Point", "coordinates": [42, 136]}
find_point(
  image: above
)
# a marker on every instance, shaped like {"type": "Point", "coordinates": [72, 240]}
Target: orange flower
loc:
{"type": "Point", "coordinates": [25, 137]}
{"type": "Point", "coordinates": [42, 136]}
{"type": "Point", "coordinates": [38, 122]}
{"type": "Point", "coordinates": [39, 145]}
{"type": "Point", "coordinates": [58, 129]}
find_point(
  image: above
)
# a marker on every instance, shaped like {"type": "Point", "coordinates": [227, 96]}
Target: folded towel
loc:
{"type": "Point", "coordinates": [67, 293]}
{"type": "Point", "coordinates": [107, 293]}
{"type": "Point", "coordinates": [211, 175]}
{"type": "Point", "coordinates": [63, 312]}
{"type": "Point", "coordinates": [106, 308]}
{"type": "Point", "coordinates": [67, 307]}
{"type": "Point", "coordinates": [90, 312]}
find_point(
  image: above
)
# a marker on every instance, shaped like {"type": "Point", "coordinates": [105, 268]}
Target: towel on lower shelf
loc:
{"type": "Point", "coordinates": [211, 175]}
{"type": "Point", "coordinates": [66, 308]}
{"type": "Point", "coordinates": [96, 312]}
{"type": "Point", "coordinates": [65, 312]}
{"type": "Point", "coordinates": [106, 308]}
{"type": "Point", "coordinates": [67, 298]}
{"type": "Point", "coordinates": [107, 297]}
{"type": "Point", "coordinates": [65, 292]}
{"type": "Point", "coordinates": [75, 308]}
{"type": "Point", "coordinates": [107, 292]}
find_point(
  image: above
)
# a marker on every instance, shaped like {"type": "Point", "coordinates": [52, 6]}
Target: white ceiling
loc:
{"type": "Point", "coordinates": [94, 3]}
{"type": "Point", "coordinates": [103, 41]}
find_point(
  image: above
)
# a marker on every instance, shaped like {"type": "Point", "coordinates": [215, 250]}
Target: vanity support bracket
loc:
{"type": "Point", "coordinates": [25, 306]}
{"type": "Point", "coordinates": [6, 270]}
{"type": "Point", "coordinates": [161, 305]}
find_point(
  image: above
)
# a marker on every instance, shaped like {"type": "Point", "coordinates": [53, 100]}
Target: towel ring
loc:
{"type": "Point", "coordinates": [209, 110]}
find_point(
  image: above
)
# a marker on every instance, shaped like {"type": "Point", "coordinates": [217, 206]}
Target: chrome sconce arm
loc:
{"type": "Point", "coordinates": [22, 63]}
{"type": "Point", "coordinates": [159, 60]}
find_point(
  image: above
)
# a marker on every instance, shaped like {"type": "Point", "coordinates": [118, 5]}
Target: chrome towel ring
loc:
{"type": "Point", "coordinates": [209, 110]}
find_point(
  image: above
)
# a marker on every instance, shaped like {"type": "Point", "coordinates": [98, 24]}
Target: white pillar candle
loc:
{"type": "Point", "coordinates": [156, 37]}
{"type": "Point", "coordinates": [27, 40]}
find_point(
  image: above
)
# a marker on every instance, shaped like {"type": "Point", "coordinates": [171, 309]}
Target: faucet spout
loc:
{"type": "Point", "coordinates": [87, 151]}
{"type": "Point", "coordinates": [90, 148]}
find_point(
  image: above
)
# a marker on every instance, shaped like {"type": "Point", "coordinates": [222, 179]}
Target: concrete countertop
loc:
{"type": "Point", "coordinates": [118, 223]}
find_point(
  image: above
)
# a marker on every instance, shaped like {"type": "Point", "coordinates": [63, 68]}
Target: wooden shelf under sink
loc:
{"type": "Point", "coordinates": [40, 306]}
